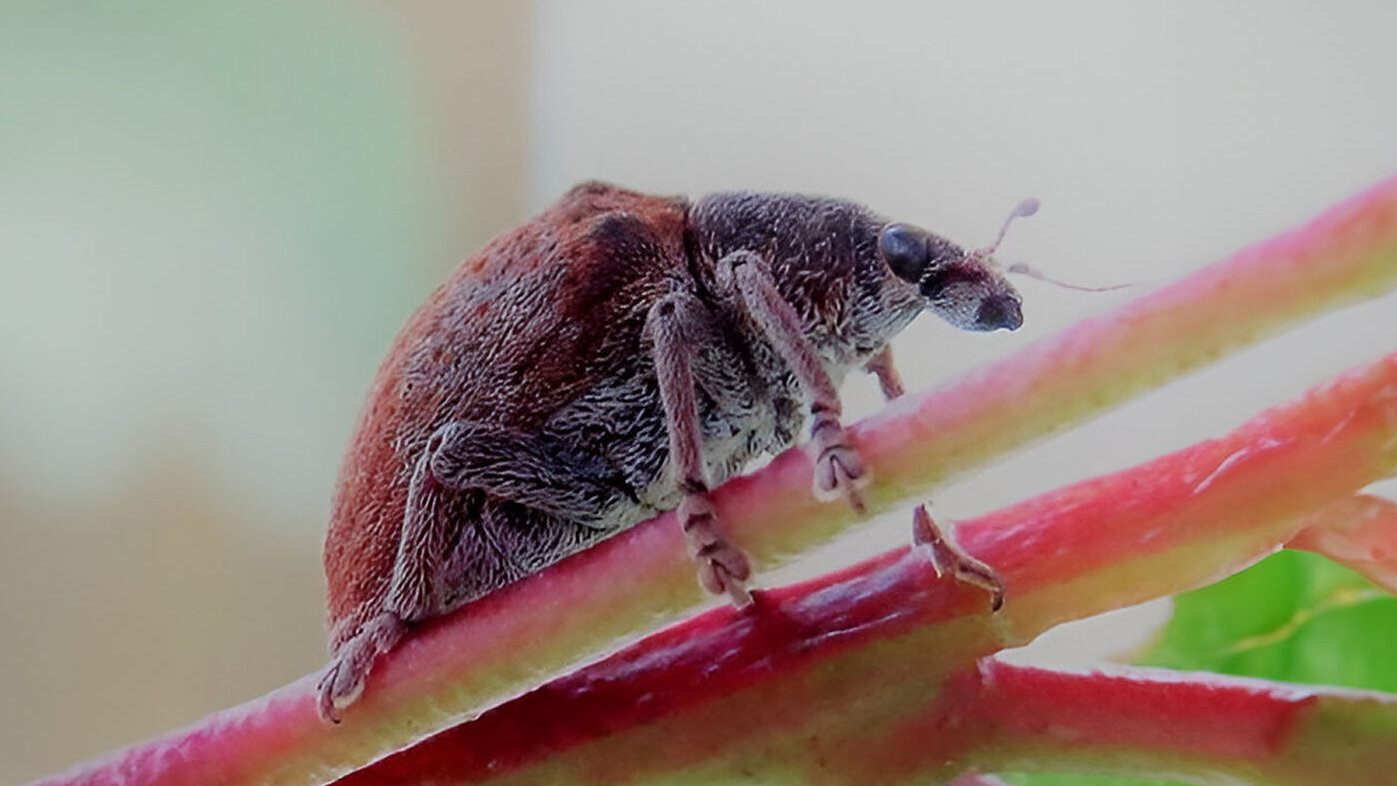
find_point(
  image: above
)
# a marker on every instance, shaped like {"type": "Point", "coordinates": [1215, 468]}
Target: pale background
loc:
{"type": "Point", "coordinates": [213, 217]}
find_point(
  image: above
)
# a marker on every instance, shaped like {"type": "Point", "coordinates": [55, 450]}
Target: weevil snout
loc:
{"type": "Point", "coordinates": [1002, 309]}
{"type": "Point", "coordinates": [973, 294]}
{"type": "Point", "coordinates": [999, 312]}
{"type": "Point", "coordinates": [967, 290]}
{"type": "Point", "coordinates": [1000, 306]}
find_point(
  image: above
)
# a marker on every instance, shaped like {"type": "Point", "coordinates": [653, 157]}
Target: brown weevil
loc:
{"type": "Point", "coordinates": [616, 357]}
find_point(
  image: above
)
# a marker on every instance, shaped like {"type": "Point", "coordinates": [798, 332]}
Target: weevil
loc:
{"type": "Point", "coordinates": [615, 357]}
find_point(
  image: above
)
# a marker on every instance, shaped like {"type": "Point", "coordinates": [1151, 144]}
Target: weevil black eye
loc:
{"type": "Point", "coordinates": [904, 248]}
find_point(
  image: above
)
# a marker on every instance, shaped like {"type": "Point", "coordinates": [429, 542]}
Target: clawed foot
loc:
{"type": "Point", "coordinates": [342, 682]}
{"type": "Point", "coordinates": [722, 567]}
{"type": "Point", "coordinates": [946, 557]}
{"type": "Point", "coordinates": [839, 470]}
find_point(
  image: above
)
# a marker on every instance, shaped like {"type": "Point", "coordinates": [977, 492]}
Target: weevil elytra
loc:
{"type": "Point", "coordinates": [615, 357]}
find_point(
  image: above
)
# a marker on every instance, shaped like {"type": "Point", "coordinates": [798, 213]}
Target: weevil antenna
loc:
{"type": "Point", "coordinates": [1024, 269]}
{"type": "Point", "coordinates": [1024, 209]}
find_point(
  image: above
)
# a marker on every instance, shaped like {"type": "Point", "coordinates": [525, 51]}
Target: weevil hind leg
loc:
{"type": "Point", "coordinates": [429, 531]}
{"type": "Point", "coordinates": [566, 481]}
{"type": "Point", "coordinates": [504, 541]}
{"type": "Point", "coordinates": [342, 681]}
{"type": "Point", "coordinates": [946, 556]}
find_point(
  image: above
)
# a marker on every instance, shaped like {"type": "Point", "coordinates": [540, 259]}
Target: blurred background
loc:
{"type": "Point", "coordinates": [214, 217]}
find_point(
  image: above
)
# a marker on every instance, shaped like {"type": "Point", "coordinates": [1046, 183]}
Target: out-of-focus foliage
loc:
{"type": "Point", "coordinates": [1294, 617]}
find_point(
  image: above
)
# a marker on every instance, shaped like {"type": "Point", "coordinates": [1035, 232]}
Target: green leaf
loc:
{"type": "Point", "coordinates": [1295, 617]}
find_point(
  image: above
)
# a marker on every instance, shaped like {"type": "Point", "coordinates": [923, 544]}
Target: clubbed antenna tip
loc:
{"type": "Point", "coordinates": [1023, 209]}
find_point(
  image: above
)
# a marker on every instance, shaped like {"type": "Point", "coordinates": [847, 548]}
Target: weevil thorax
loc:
{"type": "Point", "coordinates": [823, 254]}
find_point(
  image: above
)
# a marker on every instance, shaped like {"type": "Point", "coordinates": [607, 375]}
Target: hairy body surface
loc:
{"type": "Point", "coordinates": [613, 358]}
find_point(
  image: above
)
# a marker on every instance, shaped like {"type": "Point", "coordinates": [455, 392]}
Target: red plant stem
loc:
{"type": "Point", "coordinates": [1359, 532]}
{"type": "Point", "coordinates": [843, 679]}
{"type": "Point", "coordinates": [1142, 722]}
{"type": "Point", "coordinates": [519, 637]}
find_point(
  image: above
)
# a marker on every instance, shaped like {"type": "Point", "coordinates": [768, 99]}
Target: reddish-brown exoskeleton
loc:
{"type": "Point", "coordinates": [613, 358]}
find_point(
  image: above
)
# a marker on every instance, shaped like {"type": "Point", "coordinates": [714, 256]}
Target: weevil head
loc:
{"type": "Point", "coordinates": [854, 279]}
{"type": "Point", "coordinates": [968, 290]}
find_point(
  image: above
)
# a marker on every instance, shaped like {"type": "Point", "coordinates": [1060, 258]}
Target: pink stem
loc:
{"type": "Point", "coordinates": [1359, 532]}
{"type": "Point", "coordinates": [858, 658]}
{"type": "Point", "coordinates": [1205, 728]}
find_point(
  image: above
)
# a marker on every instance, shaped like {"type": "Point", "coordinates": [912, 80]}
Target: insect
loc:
{"type": "Point", "coordinates": [615, 357]}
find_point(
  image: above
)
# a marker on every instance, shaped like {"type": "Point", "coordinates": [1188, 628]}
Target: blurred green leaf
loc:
{"type": "Point", "coordinates": [1294, 617]}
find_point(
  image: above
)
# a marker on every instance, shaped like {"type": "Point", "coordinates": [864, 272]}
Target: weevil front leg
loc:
{"type": "Point", "coordinates": [839, 471]}
{"type": "Point", "coordinates": [881, 366]}
{"type": "Point", "coordinates": [722, 567]}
